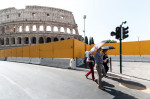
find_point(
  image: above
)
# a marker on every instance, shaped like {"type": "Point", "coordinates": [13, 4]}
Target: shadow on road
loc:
{"type": "Point", "coordinates": [106, 84]}
{"type": "Point", "coordinates": [115, 93]}
{"type": "Point", "coordinates": [129, 84]}
{"type": "Point", "coordinates": [118, 94]}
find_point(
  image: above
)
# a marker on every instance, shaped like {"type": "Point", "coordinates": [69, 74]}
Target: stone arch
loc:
{"type": "Point", "coordinates": [55, 39]}
{"type": "Point", "coordinates": [34, 28]}
{"type": "Point", "coordinates": [48, 15]}
{"type": "Point", "coordinates": [3, 30]}
{"type": "Point", "coordinates": [55, 29]}
{"type": "Point", "coordinates": [62, 39]}
{"type": "Point", "coordinates": [2, 41]}
{"type": "Point", "coordinates": [33, 40]}
{"type": "Point", "coordinates": [26, 40]}
{"type": "Point", "coordinates": [19, 40]}
{"type": "Point", "coordinates": [62, 30]}
{"type": "Point", "coordinates": [48, 28]}
{"type": "Point", "coordinates": [13, 28]}
{"type": "Point", "coordinates": [7, 29]}
{"type": "Point", "coordinates": [41, 40]}
{"type": "Point", "coordinates": [27, 28]}
{"type": "Point", "coordinates": [33, 14]}
{"type": "Point", "coordinates": [19, 14]}
{"type": "Point", "coordinates": [73, 31]}
{"type": "Point", "coordinates": [48, 39]}
{"type": "Point", "coordinates": [7, 16]}
{"type": "Point", "coordinates": [13, 40]}
{"type": "Point", "coordinates": [68, 30]}
{"type": "Point", "coordinates": [20, 28]}
{"type": "Point", "coordinates": [7, 41]}
{"type": "Point", "coordinates": [41, 28]}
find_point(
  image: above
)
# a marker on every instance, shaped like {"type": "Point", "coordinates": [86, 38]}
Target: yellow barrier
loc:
{"type": "Point", "coordinates": [19, 52]}
{"type": "Point", "coordinates": [34, 51]}
{"type": "Point", "coordinates": [145, 47]}
{"type": "Point", "coordinates": [26, 51]}
{"type": "Point", "coordinates": [7, 52]}
{"type": "Point", "coordinates": [79, 49]}
{"type": "Point", "coordinates": [63, 49]}
{"type": "Point", "coordinates": [46, 50]}
{"type": "Point", "coordinates": [2, 53]}
{"type": "Point", "coordinates": [73, 48]}
{"type": "Point", "coordinates": [14, 52]}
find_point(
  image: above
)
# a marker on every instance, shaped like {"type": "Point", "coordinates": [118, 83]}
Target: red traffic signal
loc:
{"type": "Point", "coordinates": [118, 31]}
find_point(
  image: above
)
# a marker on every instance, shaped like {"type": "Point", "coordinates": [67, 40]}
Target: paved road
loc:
{"type": "Point", "coordinates": [27, 81]}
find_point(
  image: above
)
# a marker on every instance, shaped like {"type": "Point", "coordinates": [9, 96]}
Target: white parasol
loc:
{"type": "Point", "coordinates": [96, 47]}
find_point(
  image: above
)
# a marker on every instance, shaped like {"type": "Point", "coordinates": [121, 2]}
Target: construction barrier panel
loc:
{"type": "Point", "coordinates": [79, 49]}
{"type": "Point", "coordinates": [46, 50]}
{"type": "Point", "coordinates": [63, 49]}
{"type": "Point", "coordinates": [34, 51]}
{"type": "Point", "coordinates": [26, 51]}
{"type": "Point", "coordinates": [73, 48]}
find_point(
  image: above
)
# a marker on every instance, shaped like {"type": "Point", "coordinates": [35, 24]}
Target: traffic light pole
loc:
{"type": "Point", "coordinates": [121, 50]}
{"type": "Point", "coordinates": [121, 33]}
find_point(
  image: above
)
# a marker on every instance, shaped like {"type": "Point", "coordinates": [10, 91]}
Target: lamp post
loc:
{"type": "Point", "coordinates": [84, 17]}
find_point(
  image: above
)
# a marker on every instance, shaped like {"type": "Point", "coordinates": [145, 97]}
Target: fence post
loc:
{"type": "Point", "coordinates": [76, 62]}
{"type": "Point", "coordinates": [110, 65]}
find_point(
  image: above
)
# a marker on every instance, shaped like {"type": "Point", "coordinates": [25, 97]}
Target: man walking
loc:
{"type": "Point", "coordinates": [99, 67]}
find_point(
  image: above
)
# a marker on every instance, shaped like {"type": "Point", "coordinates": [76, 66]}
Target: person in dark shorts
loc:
{"type": "Point", "coordinates": [105, 61]}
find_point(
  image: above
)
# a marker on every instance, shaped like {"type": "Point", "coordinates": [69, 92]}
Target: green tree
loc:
{"type": "Point", "coordinates": [86, 40]}
{"type": "Point", "coordinates": [111, 41]}
{"type": "Point", "coordinates": [90, 41]}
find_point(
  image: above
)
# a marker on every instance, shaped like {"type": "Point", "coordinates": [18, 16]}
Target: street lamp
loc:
{"type": "Point", "coordinates": [84, 17]}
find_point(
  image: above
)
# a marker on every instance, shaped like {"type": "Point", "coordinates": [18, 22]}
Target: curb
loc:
{"type": "Point", "coordinates": [108, 73]}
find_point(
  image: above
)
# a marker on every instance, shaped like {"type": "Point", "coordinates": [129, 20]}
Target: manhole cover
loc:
{"type": "Point", "coordinates": [137, 87]}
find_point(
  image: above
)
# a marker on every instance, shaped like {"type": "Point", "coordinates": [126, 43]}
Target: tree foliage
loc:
{"type": "Point", "coordinates": [111, 41]}
{"type": "Point", "coordinates": [86, 40]}
{"type": "Point", "coordinates": [91, 41]}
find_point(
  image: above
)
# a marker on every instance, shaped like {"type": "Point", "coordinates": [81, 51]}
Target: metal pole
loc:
{"type": "Point", "coordinates": [110, 65]}
{"type": "Point", "coordinates": [84, 17]}
{"type": "Point", "coordinates": [84, 29]}
{"type": "Point", "coordinates": [121, 50]}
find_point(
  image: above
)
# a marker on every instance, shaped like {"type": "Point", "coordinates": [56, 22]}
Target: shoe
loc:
{"type": "Point", "coordinates": [96, 81]}
{"type": "Point", "coordinates": [86, 77]}
{"type": "Point", "coordinates": [100, 87]}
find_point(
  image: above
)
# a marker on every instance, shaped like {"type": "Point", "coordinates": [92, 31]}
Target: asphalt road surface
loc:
{"type": "Point", "coordinates": [27, 81]}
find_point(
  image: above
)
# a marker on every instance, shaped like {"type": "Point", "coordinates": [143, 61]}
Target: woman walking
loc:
{"type": "Point", "coordinates": [91, 62]}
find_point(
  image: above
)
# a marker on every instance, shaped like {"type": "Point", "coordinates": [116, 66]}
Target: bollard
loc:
{"type": "Point", "coordinates": [110, 65]}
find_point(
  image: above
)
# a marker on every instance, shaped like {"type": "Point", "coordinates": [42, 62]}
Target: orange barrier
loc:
{"type": "Point", "coordinates": [73, 48]}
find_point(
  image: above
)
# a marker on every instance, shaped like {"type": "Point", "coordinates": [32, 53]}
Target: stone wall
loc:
{"type": "Point", "coordinates": [35, 25]}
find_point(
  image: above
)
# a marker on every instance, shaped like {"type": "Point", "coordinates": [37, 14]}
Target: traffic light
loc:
{"type": "Point", "coordinates": [118, 32]}
{"type": "Point", "coordinates": [125, 32]}
{"type": "Point", "coordinates": [112, 33]}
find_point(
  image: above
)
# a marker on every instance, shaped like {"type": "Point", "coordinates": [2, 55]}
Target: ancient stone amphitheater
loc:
{"type": "Point", "coordinates": [36, 25]}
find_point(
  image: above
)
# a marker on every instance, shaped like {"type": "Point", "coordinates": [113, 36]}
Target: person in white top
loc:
{"type": "Point", "coordinates": [86, 56]}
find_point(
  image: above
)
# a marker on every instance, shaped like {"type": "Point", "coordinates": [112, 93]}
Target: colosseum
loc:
{"type": "Point", "coordinates": [36, 25]}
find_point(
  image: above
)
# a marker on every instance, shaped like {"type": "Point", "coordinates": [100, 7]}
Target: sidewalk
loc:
{"type": "Point", "coordinates": [139, 70]}
{"type": "Point", "coordinates": [134, 71]}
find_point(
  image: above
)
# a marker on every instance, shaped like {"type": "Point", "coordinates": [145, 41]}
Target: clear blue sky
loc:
{"type": "Point", "coordinates": [102, 15]}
